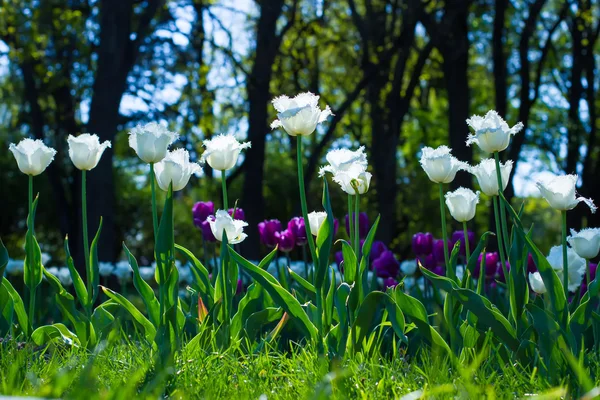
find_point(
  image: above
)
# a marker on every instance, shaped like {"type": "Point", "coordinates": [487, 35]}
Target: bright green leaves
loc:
{"type": "Point", "coordinates": [32, 273]}
{"type": "Point", "coordinates": [3, 259]}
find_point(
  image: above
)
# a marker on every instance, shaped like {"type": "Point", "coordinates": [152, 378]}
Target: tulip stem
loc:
{"type": "Point", "coordinates": [31, 198]}
{"type": "Point", "coordinates": [224, 187]}
{"type": "Point", "coordinates": [154, 210]}
{"type": "Point", "coordinates": [502, 211]}
{"type": "Point", "coordinates": [465, 233]}
{"type": "Point", "coordinates": [31, 289]}
{"type": "Point", "coordinates": [565, 257]}
{"type": "Point", "coordinates": [495, 200]}
{"type": "Point", "coordinates": [309, 236]}
{"type": "Point", "coordinates": [86, 243]}
{"type": "Point", "coordinates": [444, 231]}
{"type": "Point", "coordinates": [356, 226]}
{"type": "Point", "coordinates": [588, 276]}
{"type": "Point", "coordinates": [350, 221]}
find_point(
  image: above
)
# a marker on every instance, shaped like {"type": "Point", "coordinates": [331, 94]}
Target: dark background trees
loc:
{"type": "Point", "coordinates": [398, 74]}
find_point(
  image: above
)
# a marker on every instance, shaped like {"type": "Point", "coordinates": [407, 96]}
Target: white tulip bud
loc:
{"type": "Point", "coordinates": [462, 204]}
{"type": "Point", "coordinates": [85, 150]}
{"type": "Point", "coordinates": [316, 219]}
{"type": "Point", "coordinates": [299, 116]}
{"type": "Point", "coordinates": [486, 176]}
{"type": "Point", "coordinates": [439, 165]}
{"type": "Point", "coordinates": [575, 266]}
{"type": "Point", "coordinates": [536, 283]}
{"type": "Point", "coordinates": [222, 152]}
{"type": "Point", "coordinates": [151, 141]}
{"type": "Point", "coordinates": [233, 228]}
{"type": "Point", "coordinates": [177, 168]}
{"type": "Point", "coordinates": [32, 156]}
{"type": "Point", "coordinates": [586, 242]}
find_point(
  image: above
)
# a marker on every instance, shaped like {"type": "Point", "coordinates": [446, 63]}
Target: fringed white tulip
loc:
{"type": "Point", "coordinates": [176, 168]}
{"type": "Point", "coordinates": [575, 266]}
{"type": "Point", "coordinates": [33, 156]}
{"type": "Point", "coordinates": [151, 141]}
{"type": "Point", "coordinates": [222, 222]}
{"type": "Point", "coordinates": [222, 152]}
{"type": "Point", "coordinates": [462, 204]}
{"type": "Point", "coordinates": [316, 219]}
{"type": "Point", "coordinates": [492, 133]}
{"type": "Point", "coordinates": [344, 160]}
{"type": "Point", "coordinates": [299, 116]}
{"type": "Point", "coordinates": [439, 164]}
{"type": "Point", "coordinates": [536, 283]}
{"type": "Point", "coordinates": [561, 194]}
{"type": "Point", "coordinates": [85, 150]}
{"type": "Point", "coordinates": [586, 242]}
{"type": "Point", "coordinates": [485, 172]}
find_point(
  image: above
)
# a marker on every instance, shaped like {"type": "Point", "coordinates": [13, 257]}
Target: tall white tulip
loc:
{"type": "Point", "coordinates": [575, 266]}
{"type": "Point", "coordinates": [586, 242]}
{"type": "Point", "coordinates": [439, 164]}
{"type": "Point", "coordinates": [344, 160]}
{"type": "Point", "coordinates": [492, 133]}
{"type": "Point", "coordinates": [151, 141]}
{"type": "Point", "coordinates": [354, 181]}
{"type": "Point", "coordinates": [485, 172]}
{"type": "Point", "coordinates": [462, 204]}
{"type": "Point", "coordinates": [33, 156]}
{"type": "Point", "coordinates": [85, 150]}
{"type": "Point", "coordinates": [233, 228]}
{"type": "Point", "coordinates": [222, 152]}
{"type": "Point", "coordinates": [316, 219]}
{"type": "Point", "coordinates": [177, 168]}
{"type": "Point", "coordinates": [537, 283]}
{"type": "Point", "coordinates": [300, 115]}
{"type": "Point", "coordinates": [561, 194]}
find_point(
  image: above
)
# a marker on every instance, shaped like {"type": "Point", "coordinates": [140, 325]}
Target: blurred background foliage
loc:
{"type": "Point", "coordinates": [398, 75]}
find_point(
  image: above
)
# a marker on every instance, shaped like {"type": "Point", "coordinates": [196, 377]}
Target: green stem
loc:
{"type": "Point", "coordinates": [465, 232]}
{"type": "Point", "coordinates": [356, 225]}
{"type": "Point", "coordinates": [588, 276]}
{"type": "Point", "coordinates": [32, 306]}
{"type": "Point", "coordinates": [309, 236]}
{"type": "Point", "coordinates": [565, 258]}
{"type": "Point", "coordinates": [31, 197]}
{"type": "Point", "coordinates": [86, 242]}
{"type": "Point", "coordinates": [32, 289]}
{"type": "Point", "coordinates": [495, 200]}
{"type": "Point", "coordinates": [502, 211]}
{"type": "Point", "coordinates": [154, 209]}
{"type": "Point", "coordinates": [224, 187]}
{"type": "Point", "coordinates": [350, 221]}
{"type": "Point", "coordinates": [444, 231]}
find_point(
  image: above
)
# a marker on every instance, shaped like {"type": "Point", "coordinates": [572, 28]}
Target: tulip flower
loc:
{"type": "Point", "coordinates": [363, 226]}
{"type": "Point", "coordinates": [492, 133]}
{"type": "Point", "coordinates": [377, 249]}
{"type": "Point", "coordinates": [33, 156]}
{"type": "Point", "coordinates": [460, 236]}
{"type": "Point", "coordinates": [575, 269]}
{"type": "Point", "coordinates": [430, 262]}
{"type": "Point", "coordinates": [462, 204]}
{"type": "Point", "coordinates": [390, 283]}
{"type": "Point", "coordinates": [285, 240]}
{"type": "Point", "coordinates": [237, 213]}
{"type": "Point", "coordinates": [299, 116]}
{"type": "Point", "coordinates": [85, 150]}
{"type": "Point", "coordinates": [222, 151]}
{"type": "Point", "coordinates": [344, 160]}
{"type": "Point", "coordinates": [422, 243]}
{"type": "Point", "coordinates": [298, 229]}
{"type": "Point", "coordinates": [536, 283]}
{"type": "Point", "coordinates": [151, 141]}
{"type": "Point", "coordinates": [201, 210]}
{"type": "Point", "coordinates": [408, 267]}
{"type": "Point", "coordinates": [586, 242]}
{"type": "Point", "coordinates": [223, 223]}
{"type": "Point", "coordinates": [439, 164]}
{"type": "Point", "coordinates": [353, 182]}
{"type": "Point", "coordinates": [492, 260]}
{"type": "Point", "coordinates": [206, 230]}
{"type": "Point", "coordinates": [531, 267]}
{"type": "Point", "coordinates": [267, 230]}
{"type": "Point", "coordinates": [315, 220]}
{"type": "Point", "coordinates": [485, 172]}
{"type": "Point", "coordinates": [175, 168]}
{"type": "Point", "coordinates": [386, 266]}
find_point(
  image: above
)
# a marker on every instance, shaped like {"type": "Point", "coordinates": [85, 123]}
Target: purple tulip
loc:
{"type": "Point", "coordinates": [336, 226]}
{"type": "Point", "coordinates": [439, 270]}
{"type": "Point", "coordinates": [386, 266]}
{"type": "Point", "coordinates": [377, 248]}
{"type": "Point", "coordinates": [593, 269]}
{"type": "Point", "coordinates": [363, 224]}
{"type": "Point", "coordinates": [459, 235]}
{"type": "Point", "coordinates": [267, 230]}
{"type": "Point", "coordinates": [239, 214]}
{"type": "Point", "coordinates": [298, 229]}
{"type": "Point", "coordinates": [438, 251]}
{"type": "Point", "coordinates": [206, 231]}
{"type": "Point", "coordinates": [285, 240]}
{"type": "Point", "coordinates": [531, 267]}
{"type": "Point", "coordinates": [429, 262]}
{"type": "Point", "coordinates": [240, 287]}
{"type": "Point", "coordinates": [201, 210]}
{"type": "Point", "coordinates": [422, 243]}
{"type": "Point", "coordinates": [500, 272]}
{"type": "Point", "coordinates": [390, 283]}
{"type": "Point", "coordinates": [339, 257]}
{"type": "Point", "coordinates": [491, 264]}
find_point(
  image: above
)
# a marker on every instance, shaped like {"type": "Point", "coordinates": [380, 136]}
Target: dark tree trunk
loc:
{"type": "Point", "coordinates": [499, 57]}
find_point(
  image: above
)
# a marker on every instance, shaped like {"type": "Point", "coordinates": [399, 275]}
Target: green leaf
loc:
{"type": "Point", "coordinates": [46, 334]}
{"type": "Point", "coordinates": [94, 270]}
{"type": "Point", "coordinates": [366, 248]}
{"type": "Point", "coordinates": [350, 262]}
{"type": "Point", "coordinates": [473, 260]}
{"type": "Point", "coordinates": [144, 289]}
{"type": "Point", "coordinates": [249, 304]}
{"type": "Point", "coordinates": [78, 284]}
{"type": "Point", "coordinates": [165, 241]}
{"type": "Point", "coordinates": [102, 319]}
{"type": "Point", "coordinates": [582, 317]}
{"type": "Point", "coordinates": [454, 261]}
{"type": "Point", "coordinates": [324, 240]}
{"type": "Point", "coordinates": [18, 307]}
{"type": "Point", "coordinates": [329, 300]}
{"type": "Point", "coordinates": [3, 258]}
{"type": "Point", "coordinates": [200, 274]}
{"type": "Point", "coordinates": [149, 330]}
{"type": "Point", "coordinates": [32, 272]}
{"type": "Point", "coordinates": [368, 316]}
{"type": "Point", "coordinates": [281, 297]}
{"type": "Point", "coordinates": [256, 321]}
{"type": "Point", "coordinates": [303, 283]}
{"type": "Point", "coordinates": [341, 304]}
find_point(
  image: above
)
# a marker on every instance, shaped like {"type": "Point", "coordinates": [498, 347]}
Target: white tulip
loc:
{"type": "Point", "coordinates": [492, 133]}
{"type": "Point", "coordinates": [462, 204]}
{"type": "Point", "coordinates": [151, 141]}
{"type": "Point", "coordinates": [315, 220]}
{"type": "Point", "coordinates": [439, 164]}
{"type": "Point", "coordinates": [105, 268]}
{"type": "Point", "coordinates": [486, 176]}
{"type": "Point", "coordinates": [222, 152]}
{"type": "Point", "coordinates": [408, 267]}
{"type": "Point", "coordinates": [344, 160]}
{"type": "Point", "coordinates": [233, 228]}
{"type": "Point", "coordinates": [536, 282]}
{"type": "Point", "coordinates": [586, 242]}
{"type": "Point", "coordinates": [575, 266]}
{"type": "Point", "coordinates": [85, 150]}
{"type": "Point", "coordinates": [299, 116]}
{"type": "Point", "coordinates": [32, 156]}
{"type": "Point", "coordinates": [560, 193]}
{"type": "Point", "coordinates": [353, 181]}
{"type": "Point", "coordinates": [177, 168]}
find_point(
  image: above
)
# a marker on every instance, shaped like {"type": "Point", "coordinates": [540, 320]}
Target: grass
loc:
{"type": "Point", "coordinates": [126, 371]}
